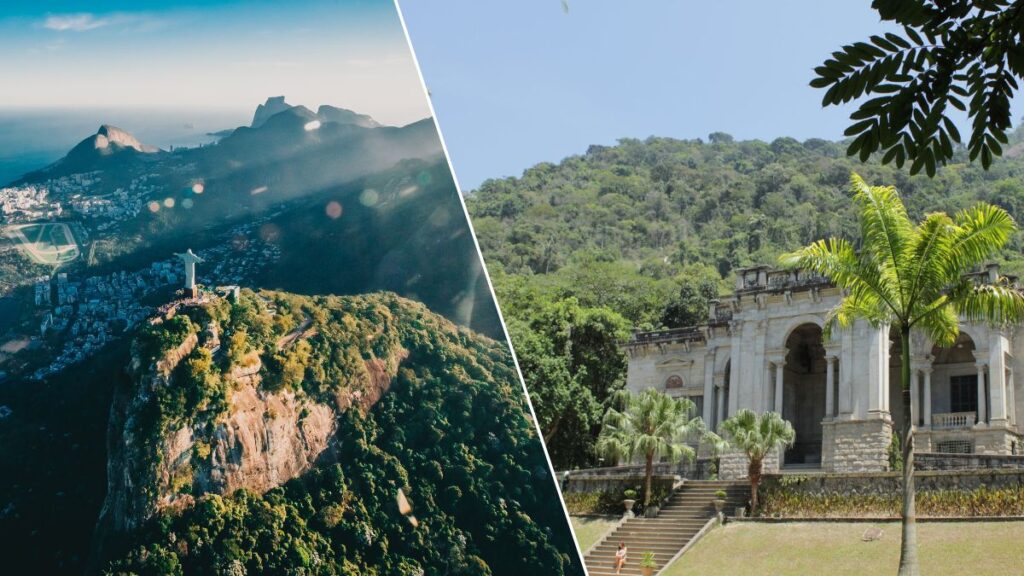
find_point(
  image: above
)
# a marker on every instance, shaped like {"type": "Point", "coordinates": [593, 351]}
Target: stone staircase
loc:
{"type": "Point", "coordinates": [682, 517]}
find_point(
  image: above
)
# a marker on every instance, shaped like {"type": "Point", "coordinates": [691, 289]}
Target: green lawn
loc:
{"type": "Point", "coordinates": [590, 529]}
{"type": "Point", "coordinates": [836, 549]}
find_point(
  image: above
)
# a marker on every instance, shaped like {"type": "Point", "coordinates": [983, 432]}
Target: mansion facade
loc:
{"type": "Point", "coordinates": [763, 349]}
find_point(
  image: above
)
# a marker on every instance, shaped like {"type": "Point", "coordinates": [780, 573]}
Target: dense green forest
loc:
{"type": "Point", "coordinates": [451, 432]}
{"type": "Point", "coordinates": [643, 233]}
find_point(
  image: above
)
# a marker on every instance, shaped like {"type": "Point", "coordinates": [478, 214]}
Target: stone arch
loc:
{"type": "Point", "coordinates": [674, 381]}
{"type": "Point", "coordinates": [803, 390]}
{"type": "Point", "coordinates": [721, 362]}
{"type": "Point", "coordinates": [794, 323]}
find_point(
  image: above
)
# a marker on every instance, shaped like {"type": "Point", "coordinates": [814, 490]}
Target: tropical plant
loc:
{"type": "Point", "coordinates": [651, 425]}
{"type": "Point", "coordinates": [914, 278]}
{"type": "Point", "coordinates": [648, 560]}
{"type": "Point", "coordinates": [969, 49]}
{"type": "Point", "coordinates": [756, 436]}
{"type": "Point", "coordinates": [720, 494]}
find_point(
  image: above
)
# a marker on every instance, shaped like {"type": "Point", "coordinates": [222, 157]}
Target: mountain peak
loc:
{"type": "Point", "coordinates": [325, 113]}
{"type": "Point", "coordinates": [111, 137]}
{"type": "Point", "coordinates": [273, 105]}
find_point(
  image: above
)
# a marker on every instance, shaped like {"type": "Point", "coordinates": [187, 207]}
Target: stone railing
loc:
{"type": "Point", "coordinates": [700, 469]}
{"type": "Point", "coordinates": [691, 334]}
{"type": "Point", "coordinates": [760, 278]}
{"type": "Point", "coordinates": [936, 461]}
{"type": "Point", "coordinates": [722, 314]}
{"type": "Point", "coordinates": [953, 420]}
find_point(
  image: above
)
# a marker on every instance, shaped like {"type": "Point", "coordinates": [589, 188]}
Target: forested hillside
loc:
{"type": "Point", "coordinates": [641, 234]}
{"type": "Point", "coordinates": [417, 406]}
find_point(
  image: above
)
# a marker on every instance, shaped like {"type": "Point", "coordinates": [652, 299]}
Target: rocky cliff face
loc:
{"type": "Point", "coordinates": [273, 105]}
{"type": "Point", "coordinates": [261, 440]}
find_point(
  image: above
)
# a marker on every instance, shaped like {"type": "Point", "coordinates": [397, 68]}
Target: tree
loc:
{"type": "Point", "coordinates": [572, 362]}
{"type": "Point", "coordinates": [756, 436]}
{"type": "Point", "coordinates": [690, 306]}
{"type": "Point", "coordinates": [651, 425]}
{"type": "Point", "coordinates": [913, 278]}
{"type": "Point", "coordinates": [950, 52]}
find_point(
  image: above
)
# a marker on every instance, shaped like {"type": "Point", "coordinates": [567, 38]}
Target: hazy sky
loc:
{"type": "Point", "coordinates": [516, 83]}
{"type": "Point", "coordinates": [208, 55]}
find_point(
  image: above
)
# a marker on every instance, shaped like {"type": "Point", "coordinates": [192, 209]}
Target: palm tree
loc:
{"type": "Point", "coordinates": [756, 436]}
{"type": "Point", "coordinates": [651, 425]}
{"type": "Point", "coordinates": [913, 278]}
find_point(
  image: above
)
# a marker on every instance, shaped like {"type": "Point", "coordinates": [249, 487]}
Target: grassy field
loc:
{"type": "Point", "coordinates": [590, 529]}
{"type": "Point", "coordinates": [836, 549]}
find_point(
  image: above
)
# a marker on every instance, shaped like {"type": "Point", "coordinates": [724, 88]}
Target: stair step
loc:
{"type": "Point", "coordinates": [683, 516]}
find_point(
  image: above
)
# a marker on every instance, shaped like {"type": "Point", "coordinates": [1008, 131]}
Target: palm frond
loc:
{"type": "Point", "coordinates": [981, 231]}
{"type": "Point", "coordinates": [885, 227]}
{"type": "Point", "coordinates": [995, 304]}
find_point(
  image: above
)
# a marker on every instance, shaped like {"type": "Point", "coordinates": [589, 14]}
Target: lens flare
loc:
{"type": "Point", "coordinates": [369, 197]}
{"type": "Point", "coordinates": [198, 188]}
{"type": "Point", "coordinates": [169, 202]}
{"type": "Point", "coordinates": [270, 233]}
{"type": "Point", "coordinates": [153, 206]}
{"type": "Point", "coordinates": [310, 126]}
{"type": "Point", "coordinates": [333, 210]}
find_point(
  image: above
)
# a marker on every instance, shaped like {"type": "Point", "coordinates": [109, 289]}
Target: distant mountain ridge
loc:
{"type": "Point", "coordinates": [326, 113]}
{"type": "Point", "coordinates": [283, 130]}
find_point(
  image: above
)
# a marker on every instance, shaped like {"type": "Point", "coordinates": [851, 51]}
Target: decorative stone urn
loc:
{"type": "Point", "coordinates": [719, 502]}
{"type": "Point", "coordinates": [628, 503]}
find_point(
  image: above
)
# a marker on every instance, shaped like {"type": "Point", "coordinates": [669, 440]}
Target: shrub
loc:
{"type": "Point", "coordinates": [895, 454]}
{"type": "Point", "coordinates": [982, 501]}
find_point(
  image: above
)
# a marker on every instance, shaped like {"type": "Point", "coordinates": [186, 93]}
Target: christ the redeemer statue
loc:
{"type": "Point", "coordinates": [190, 260]}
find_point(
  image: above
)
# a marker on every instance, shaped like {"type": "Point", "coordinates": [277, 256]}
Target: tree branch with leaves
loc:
{"type": "Point", "coordinates": [962, 54]}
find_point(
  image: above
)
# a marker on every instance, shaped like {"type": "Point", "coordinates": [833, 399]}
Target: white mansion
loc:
{"type": "Point", "coordinates": [763, 349]}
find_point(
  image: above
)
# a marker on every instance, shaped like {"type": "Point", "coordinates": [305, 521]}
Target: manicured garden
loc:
{"type": "Point", "coordinates": [590, 529]}
{"type": "Point", "coordinates": [837, 549]}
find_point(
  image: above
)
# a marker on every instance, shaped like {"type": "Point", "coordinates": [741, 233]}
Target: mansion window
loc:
{"type": "Point", "coordinates": [963, 393]}
{"type": "Point", "coordinates": [698, 402]}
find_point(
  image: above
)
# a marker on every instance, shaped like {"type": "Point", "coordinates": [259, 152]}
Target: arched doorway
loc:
{"type": "Point", "coordinates": [803, 393]}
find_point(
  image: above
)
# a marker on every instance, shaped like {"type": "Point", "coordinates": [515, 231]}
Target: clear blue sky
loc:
{"type": "Point", "coordinates": [516, 83]}
{"type": "Point", "coordinates": [208, 55]}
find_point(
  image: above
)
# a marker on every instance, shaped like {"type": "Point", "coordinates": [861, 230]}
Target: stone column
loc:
{"type": "Point", "coordinates": [830, 382]}
{"type": "Point", "coordinates": [997, 381]}
{"type": "Point", "coordinates": [915, 396]}
{"type": "Point", "coordinates": [720, 406]}
{"type": "Point", "coordinates": [981, 393]}
{"type": "Point", "coordinates": [927, 396]}
{"type": "Point", "coordinates": [876, 369]}
{"type": "Point", "coordinates": [709, 385]}
{"type": "Point", "coordinates": [779, 375]}
{"type": "Point", "coordinates": [1011, 397]}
